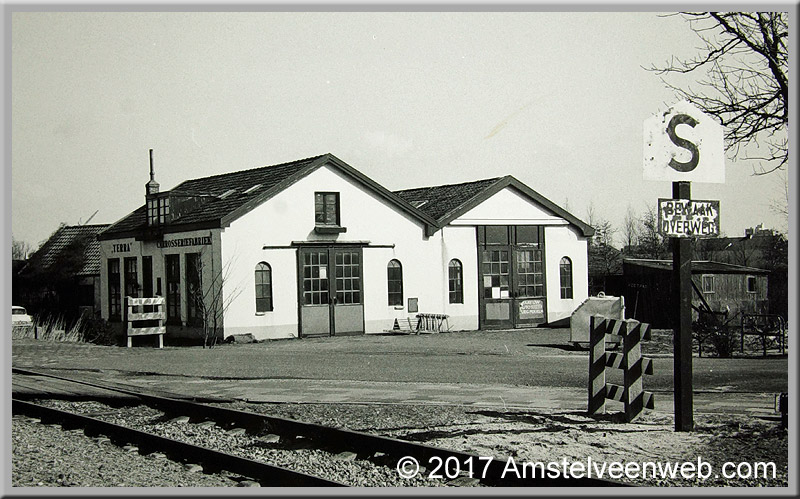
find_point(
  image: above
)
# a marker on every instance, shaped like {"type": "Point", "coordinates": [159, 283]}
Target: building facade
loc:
{"type": "Point", "coordinates": [62, 277]}
{"type": "Point", "coordinates": [314, 247]}
{"type": "Point", "coordinates": [723, 287]}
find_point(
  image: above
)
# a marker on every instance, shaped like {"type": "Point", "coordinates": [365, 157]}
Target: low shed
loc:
{"type": "Point", "coordinates": [723, 286]}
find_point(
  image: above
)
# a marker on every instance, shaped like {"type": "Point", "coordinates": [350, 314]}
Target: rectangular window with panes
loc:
{"type": "Point", "coordinates": [326, 208]}
{"type": "Point", "coordinates": [708, 284]}
{"type": "Point", "coordinates": [114, 291]}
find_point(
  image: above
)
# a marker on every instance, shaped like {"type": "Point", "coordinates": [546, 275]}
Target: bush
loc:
{"type": "Point", "coordinates": [97, 331]}
{"type": "Point", "coordinates": [720, 335]}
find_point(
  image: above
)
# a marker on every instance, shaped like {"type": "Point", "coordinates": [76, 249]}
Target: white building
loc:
{"type": "Point", "coordinates": [314, 247]}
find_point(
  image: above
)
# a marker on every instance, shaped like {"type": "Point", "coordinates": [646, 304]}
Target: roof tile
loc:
{"type": "Point", "coordinates": [49, 252]}
{"type": "Point", "coordinates": [214, 207]}
{"type": "Point", "coordinates": [443, 199]}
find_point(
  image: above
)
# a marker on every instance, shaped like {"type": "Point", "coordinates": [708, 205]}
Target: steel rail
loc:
{"type": "Point", "coordinates": [364, 444]}
{"type": "Point", "coordinates": [211, 460]}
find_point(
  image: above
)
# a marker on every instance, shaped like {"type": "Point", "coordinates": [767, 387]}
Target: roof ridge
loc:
{"type": "Point", "coordinates": [492, 179]}
{"type": "Point", "coordinates": [84, 225]}
{"type": "Point", "coordinates": [310, 158]}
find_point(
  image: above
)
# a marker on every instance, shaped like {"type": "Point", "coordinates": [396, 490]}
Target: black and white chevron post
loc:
{"type": "Point", "coordinates": [630, 334]}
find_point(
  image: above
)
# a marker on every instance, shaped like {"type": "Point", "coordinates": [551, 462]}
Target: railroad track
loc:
{"type": "Point", "coordinates": [380, 449]}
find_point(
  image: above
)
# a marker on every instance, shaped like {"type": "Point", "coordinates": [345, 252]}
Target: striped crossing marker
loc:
{"type": "Point", "coordinates": [630, 333]}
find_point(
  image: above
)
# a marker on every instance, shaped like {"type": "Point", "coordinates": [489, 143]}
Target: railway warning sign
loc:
{"type": "Point", "coordinates": [683, 144]}
{"type": "Point", "coordinates": [688, 218]}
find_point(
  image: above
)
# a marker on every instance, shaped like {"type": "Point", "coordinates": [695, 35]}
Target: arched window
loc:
{"type": "Point", "coordinates": [394, 273]}
{"type": "Point", "coordinates": [566, 278]}
{"type": "Point", "coordinates": [263, 287]}
{"type": "Point", "coordinates": [456, 281]}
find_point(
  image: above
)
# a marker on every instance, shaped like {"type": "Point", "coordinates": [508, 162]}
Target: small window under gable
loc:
{"type": "Point", "coordinates": [326, 213]}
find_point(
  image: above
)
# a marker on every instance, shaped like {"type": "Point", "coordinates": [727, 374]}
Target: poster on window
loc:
{"type": "Point", "coordinates": [531, 309]}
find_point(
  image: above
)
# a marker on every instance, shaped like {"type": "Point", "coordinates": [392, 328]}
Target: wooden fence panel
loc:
{"type": "Point", "coordinates": [133, 315]}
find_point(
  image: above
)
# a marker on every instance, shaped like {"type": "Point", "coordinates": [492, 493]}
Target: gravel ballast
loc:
{"type": "Point", "coordinates": [48, 456]}
{"type": "Point", "coordinates": [526, 436]}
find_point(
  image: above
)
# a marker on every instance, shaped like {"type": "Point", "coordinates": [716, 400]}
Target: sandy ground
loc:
{"type": "Point", "coordinates": [534, 437]}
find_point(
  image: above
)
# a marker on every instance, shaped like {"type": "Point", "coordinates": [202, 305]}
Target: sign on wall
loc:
{"type": "Point", "coordinates": [688, 218]}
{"type": "Point", "coordinates": [185, 241]}
{"type": "Point", "coordinates": [683, 144]}
{"type": "Point", "coordinates": [531, 309]}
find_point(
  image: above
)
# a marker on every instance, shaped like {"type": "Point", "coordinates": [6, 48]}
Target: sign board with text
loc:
{"type": "Point", "coordinates": [688, 218]}
{"type": "Point", "coordinates": [683, 144]}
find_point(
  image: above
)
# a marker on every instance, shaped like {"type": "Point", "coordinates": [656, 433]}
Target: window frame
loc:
{"type": "Point", "coordinates": [114, 290]}
{"type": "Point", "coordinates": [748, 280]}
{"type": "Point", "coordinates": [394, 298]}
{"type": "Point", "coordinates": [173, 297]}
{"type": "Point", "coordinates": [194, 275]}
{"type": "Point", "coordinates": [130, 266]}
{"type": "Point", "coordinates": [565, 278]}
{"type": "Point", "coordinates": [455, 283]}
{"type": "Point", "coordinates": [708, 290]}
{"type": "Point", "coordinates": [263, 267]}
{"type": "Point", "coordinates": [324, 212]}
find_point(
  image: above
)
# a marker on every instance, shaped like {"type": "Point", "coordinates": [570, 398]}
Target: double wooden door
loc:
{"type": "Point", "coordinates": [512, 276]}
{"type": "Point", "coordinates": [330, 289]}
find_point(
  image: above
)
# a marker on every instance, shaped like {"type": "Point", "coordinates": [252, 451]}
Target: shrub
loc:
{"type": "Point", "coordinates": [98, 331]}
{"type": "Point", "coordinates": [722, 337]}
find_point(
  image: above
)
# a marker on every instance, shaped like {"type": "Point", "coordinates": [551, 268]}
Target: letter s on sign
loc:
{"type": "Point", "coordinates": [683, 119]}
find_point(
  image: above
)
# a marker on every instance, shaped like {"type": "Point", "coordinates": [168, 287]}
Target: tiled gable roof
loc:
{"type": "Point", "coordinates": [438, 201]}
{"type": "Point", "coordinates": [444, 203]}
{"type": "Point", "coordinates": [64, 237]}
{"type": "Point", "coordinates": [215, 208]}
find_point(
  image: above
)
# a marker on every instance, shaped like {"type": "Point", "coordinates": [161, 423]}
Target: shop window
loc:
{"type": "Point", "coordinates": [173, 270]}
{"type": "Point", "coordinates": [708, 284]}
{"type": "Point", "coordinates": [395, 279]}
{"type": "Point", "coordinates": [751, 284]}
{"type": "Point", "coordinates": [131, 278]}
{"type": "Point", "coordinates": [326, 208]}
{"type": "Point", "coordinates": [565, 269]}
{"type": "Point", "coordinates": [456, 281]}
{"type": "Point", "coordinates": [263, 288]}
{"type": "Point", "coordinates": [194, 289]}
{"type": "Point", "coordinates": [114, 295]}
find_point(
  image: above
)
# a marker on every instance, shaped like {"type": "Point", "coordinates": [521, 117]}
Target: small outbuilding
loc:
{"type": "Point", "coordinates": [62, 277]}
{"type": "Point", "coordinates": [315, 247]}
{"type": "Point", "coordinates": [724, 287]}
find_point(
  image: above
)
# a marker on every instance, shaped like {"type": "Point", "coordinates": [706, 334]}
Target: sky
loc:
{"type": "Point", "coordinates": [557, 100]}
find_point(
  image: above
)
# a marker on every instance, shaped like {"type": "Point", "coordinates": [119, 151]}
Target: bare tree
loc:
{"type": "Point", "coordinates": [780, 205]}
{"type": "Point", "coordinates": [604, 258]}
{"type": "Point", "coordinates": [208, 298]}
{"type": "Point", "coordinates": [630, 230]}
{"type": "Point", "coordinates": [19, 249]}
{"type": "Point", "coordinates": [745, 83]}
{"type": "Point", "coordinates": [652, 244]}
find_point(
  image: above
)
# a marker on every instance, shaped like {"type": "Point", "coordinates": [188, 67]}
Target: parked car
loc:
{"type": "Point", "coordinates": [20, 317]}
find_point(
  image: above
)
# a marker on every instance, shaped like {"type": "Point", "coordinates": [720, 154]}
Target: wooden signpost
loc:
{"type": "Point", "coordinates": [683, 144]}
